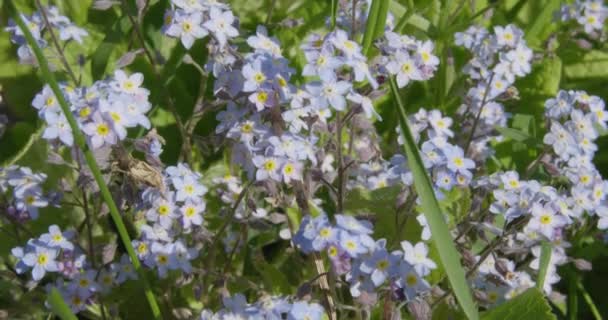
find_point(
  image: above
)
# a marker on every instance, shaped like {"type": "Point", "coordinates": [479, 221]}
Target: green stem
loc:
{"type": "Point", "coordinates": [596, 313]}
{"type": "Point", "coordinates": [80, 142]}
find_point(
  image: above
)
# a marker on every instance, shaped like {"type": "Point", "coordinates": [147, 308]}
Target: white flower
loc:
{"type": "Point", "coordinates": [404, 67]}
{"type": "Point", "coordinates": [417, 256]}
{"type": "Point", "coordinates": [187, 27]}
{"type": "Point", "coordinates": [221, 25]}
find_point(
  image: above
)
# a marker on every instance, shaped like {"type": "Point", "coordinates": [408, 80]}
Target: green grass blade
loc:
{"type": "Point", "coordinates": [59, 307]}
{"type": "Point", "coordinates": [594, 310]}
{"type": "Point", "coordinates": [370, 26]}
{"type": "Point", "coordinates": [334, 13]}
{"type": "Point", "coordinates": [450, 258]}
{"type": "Point", "coordinates": [545, 258]}
{"type": "Point", "coordinates": [80, 141]}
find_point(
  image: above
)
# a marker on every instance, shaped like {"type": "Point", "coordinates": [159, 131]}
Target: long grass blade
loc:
{"type": "Point", "coordinates": [59, 307]}
{"type": "Point", "coordinates": [370, 26]}
{"type": "Point", "coordinates": [80, 141]}
{"type": "Point", "coordinates": [450, 258]}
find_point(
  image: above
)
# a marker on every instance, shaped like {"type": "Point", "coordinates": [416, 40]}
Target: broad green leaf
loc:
{"type": "Point", "coordinates": [518, 135]}
{"type": "Point", "coordinates": [59, 307]}
{"type": "Point", "coordinates": [275, 280]}
{"type": "Point", "coordinates": [591, 64]}
{"type": "Point", "coordinates": [381, 203]}
{"type": "Point", "coordinates": [544, 80]}
{"type": "Point", "coordinates": [528, 305]}
{"type": "Point", "coordinates": [450, 258]}
{"type": "Point", "coordinates": [542, 24]}
{"type": "Point", "coordinates": [415, 20]}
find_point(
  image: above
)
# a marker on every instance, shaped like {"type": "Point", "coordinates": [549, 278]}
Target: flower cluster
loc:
{"type": "Point", "coordinates": [27, 192]}
{"type": "Point", "coordinates": [268, 307]}
{"type": "Point", "coordinates": [190, 20]}
{"type": "Point", "coordinates": [549, 213]}
{"type": "Point", "coordinates": [56, 252]}
{"type": "Point", "coordinates": [104, 111]}
{"type": "Point", "coordinates": [174, 210]}
{"type": "Point", "coordinates": [498, 59]}
{"type": "Point", "coordinates": [590, 14]}
{"type": "Point", "coordinates": [366, 264]}
{"type": "Point", "coordinates": [575, 118]}
{"type": "Point", "coordinates": [406, 58]}
{"type": "Point", "coordinates": [37, 24]}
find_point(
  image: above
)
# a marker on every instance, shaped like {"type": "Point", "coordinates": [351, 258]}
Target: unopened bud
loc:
{"type": "Point", "coordinates": [584, 44]}
{"type": "Point", "coordinates": [419, 309]}
{"type": "Point", "coordinates": [187, 59]}
{"type": "Point", "coordinates": [582, 264]}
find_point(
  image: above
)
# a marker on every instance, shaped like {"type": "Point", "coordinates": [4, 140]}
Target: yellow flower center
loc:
{"type": "Point", "coordinates": [83, 283]}
{"type": "Point", "coordinates": [333, 251]}
{"type": "Point", "coordinates": [115, 116]}
{"type": "Point", "coordinates": [84, 112]}
{"type": "Point", "coordinates": [411, 279]}
{"type": "Point", "coordinates": [351, 245]}
{"type": "Point", "coordinates": [325, 232]}
{"type": "Point", "coordinates": [492, 296]}
{"type": "Point", "coordinates": [288, 169]}
{"type": "Point", "coordinates": [57, 237]}
{"type": "Point", "coordinates": [186, 26]}
{"type": "Point", "coordinates": [190, 212]}
{"type": "Point", "coordinates": [30, 199]}
{"type": "Point", "coordinates": [382, 264]}
{"type": "Point", "coordinates": [259, 77]}
{"type": "Point", "coordinates": [43, 258]}
{"type": "Point", "coordinates": [406, 67]}
{"type": "Point", "coordinates": [128, 85]}
{"type": "Point", "coordinates": [262, 97]}
{"type": "Point", "coordinates": [142, 248]}
{"type": "Point", "coordinates": [103, 129]}
{"type": "Point", "coordinates": [459, 162]}
{"type": "Point", "coordinates": [425, 56]}
{"type": "Point", "coordinates": [189, 189]}
{"type": "Point", "coordinates": [545, 219]}
{"type": "Point", "coordinates": [163, 210]}
{"type": "Point", "coordinates": [270, 165]}
{"type": "Point", "coordinates": [282, 82]}
{"type": "Point", "coordinates": [321, 61]}
{"type": "Point", "coordinates": [162, 259]}
{"type": "Point", "coordinates": [50, 101]}
{"type": "Point", "coordinates": [76, 301]}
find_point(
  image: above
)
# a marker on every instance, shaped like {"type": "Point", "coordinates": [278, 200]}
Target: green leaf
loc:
{"type": "Point", "coordinates": [528, 305]}
{"type": "Point", "coordinates": [545, 259]}
{"type": "Point", "coordinates": [541, 25]}
{"type": "Point", "coordinates": [375, 24]}
{"type": "Point", "coordinates": [59, 307]}
{"type": "Point", "coordinates": [592, 64]}
{"type": "Point", "coordinates": [413, 19]}
{"type": "Point", "coordinates": [450, 258]}
{"type": "Point", "coordinates": [274, 279]}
